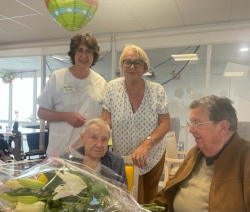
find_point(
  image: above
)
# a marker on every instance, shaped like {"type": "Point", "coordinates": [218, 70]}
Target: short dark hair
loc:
{"type": "Point", "coordinates": [219, 108]}
{"type": "Point", "coordinates": [88, 40]}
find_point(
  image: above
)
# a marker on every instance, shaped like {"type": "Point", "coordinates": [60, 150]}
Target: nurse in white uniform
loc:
{"type": "Point", "coordinates": [72, 96]}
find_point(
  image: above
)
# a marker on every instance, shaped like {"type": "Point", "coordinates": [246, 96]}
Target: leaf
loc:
{"type": "Point", "coordinates": [98, 189]}
{"type": "Point", "coordinates": [54, 181]}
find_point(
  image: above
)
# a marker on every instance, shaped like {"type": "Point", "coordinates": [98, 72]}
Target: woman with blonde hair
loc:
{"type": "Point", "coordinates": [137, 111]}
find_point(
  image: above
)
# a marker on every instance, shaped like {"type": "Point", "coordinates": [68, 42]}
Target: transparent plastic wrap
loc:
{"type": "Point", "coordinates": [77, 158]}
{"type": "Point", "coordinates": [61, 185]}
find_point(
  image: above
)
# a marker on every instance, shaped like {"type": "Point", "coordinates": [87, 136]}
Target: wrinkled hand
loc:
{"type": "Point", "coordinates": [75, 120]}
{"type": "Point", "coordinates": [140, 156]}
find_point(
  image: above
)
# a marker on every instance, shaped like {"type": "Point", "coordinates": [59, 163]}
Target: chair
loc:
{"type": "Point", "coordinates": [33, 144]}
{"type": "Point", "coordinates": [172, 160]}
{"type": "Point", "coordinates": [110, 144]}
{"type": "Point", "coordinates": [175, 125]}
{"type": "Point", "coordinates": [132, 174]}
{"type": "Point", "coordinates": [5, 148]}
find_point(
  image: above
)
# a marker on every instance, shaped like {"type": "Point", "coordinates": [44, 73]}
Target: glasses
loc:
{"type": "Point", "coordinates": [136, 63]}
{"type": "Point", "coordinates": [195, 125]}
{"type": "Point", "coordinates": [80, 51]}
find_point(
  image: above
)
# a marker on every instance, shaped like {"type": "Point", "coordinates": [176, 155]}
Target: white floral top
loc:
{"type": "Point", "coordinates": [130, 129]}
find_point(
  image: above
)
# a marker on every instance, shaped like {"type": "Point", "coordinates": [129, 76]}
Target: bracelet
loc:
{"type": "Point", "coordinates": [151, 139]}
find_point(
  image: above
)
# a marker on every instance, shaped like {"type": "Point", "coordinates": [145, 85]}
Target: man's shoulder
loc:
{"type": "Point", "coordinates": [193, 152]}
{"type": "Point", "coordinates": [239, 143]}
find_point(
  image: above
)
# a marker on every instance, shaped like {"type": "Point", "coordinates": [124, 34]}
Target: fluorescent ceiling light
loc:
{"type": "Point", "coordinates": [60, 57]}
{"type": "Point", "coordinates": [233, 74]}
{"type": "Point", "coordinates": [234, 70]}
{"type": "Point", "coordinates": [181, 57]}
{"type": "Point", "coordinates": [244, 49]}
{"type": "Point", "coordinates": [147, 74]}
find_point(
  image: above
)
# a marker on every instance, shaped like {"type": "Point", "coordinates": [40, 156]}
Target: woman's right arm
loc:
{"type": "Point", "coordinates": [71, 118]}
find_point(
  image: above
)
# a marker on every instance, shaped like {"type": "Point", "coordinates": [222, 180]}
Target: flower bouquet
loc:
{"type": "Point", "coordinates": [59, 185]}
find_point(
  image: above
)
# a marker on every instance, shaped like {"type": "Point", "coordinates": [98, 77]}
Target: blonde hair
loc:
{"type": "Point", "coordinates": [140, 53]}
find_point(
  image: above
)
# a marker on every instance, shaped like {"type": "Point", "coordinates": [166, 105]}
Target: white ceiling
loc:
{"type": "Point", "coordinates": [25, 21]}
{"type": "Point", "coordinates": [29, 20]}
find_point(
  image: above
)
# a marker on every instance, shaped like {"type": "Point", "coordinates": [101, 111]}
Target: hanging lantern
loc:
{"type": "Point", "coordinates": [72, 14]}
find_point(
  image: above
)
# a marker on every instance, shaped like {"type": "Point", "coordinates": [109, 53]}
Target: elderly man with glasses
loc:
{"type": "Point", "coordinates": [215, 175]}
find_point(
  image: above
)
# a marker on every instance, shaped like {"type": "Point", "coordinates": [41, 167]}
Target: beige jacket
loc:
{"type": "Point", "coordinates": [230, 186]}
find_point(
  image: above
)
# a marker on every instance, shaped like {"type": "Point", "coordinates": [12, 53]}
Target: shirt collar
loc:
{"type": "Point", "coordinates": [210, 160]}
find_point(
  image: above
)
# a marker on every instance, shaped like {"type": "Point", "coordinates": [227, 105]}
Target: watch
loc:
{"type": "Point", "coordinates": [151, 139]}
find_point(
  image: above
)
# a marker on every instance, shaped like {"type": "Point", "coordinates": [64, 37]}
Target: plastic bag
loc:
{"type": "Point", "coordinates": [60, 185]}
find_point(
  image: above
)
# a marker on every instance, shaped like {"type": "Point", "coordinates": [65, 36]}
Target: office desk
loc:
{"type": "Point", "coordinates": [17, 138]}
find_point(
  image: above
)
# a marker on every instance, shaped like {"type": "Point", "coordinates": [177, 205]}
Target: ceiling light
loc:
{"type": "Point", "coordinates": [244, 49]}
{"type": "Point", "coordinates": [233, 74]}
{"type": "Point", "coordinates": [150, 73]}
{"type": "Point", "coordinates": [147, 74]}
{"type": "Point", "coordinates": [60, 57]}
{"type": "Point", "coordinates": [236, 70]}
{"type": "Point", "coordinates": [181, 57]}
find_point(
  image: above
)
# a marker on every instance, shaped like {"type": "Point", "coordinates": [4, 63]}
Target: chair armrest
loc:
{"type": "Point", "coordinates": [175, 160]}
{"type": "Point", "coordinates": [182, 153]}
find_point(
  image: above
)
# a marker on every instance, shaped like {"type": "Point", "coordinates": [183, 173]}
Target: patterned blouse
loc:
{"type": "Point", "coordinates": [130, 129]}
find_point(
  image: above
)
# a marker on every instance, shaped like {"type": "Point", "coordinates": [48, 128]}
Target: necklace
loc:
{"type": "Point", "coordinates": [131, 91]}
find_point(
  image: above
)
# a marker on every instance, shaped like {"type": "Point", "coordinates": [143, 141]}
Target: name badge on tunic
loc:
{"type": "Point", "coordinates": [69, 89]}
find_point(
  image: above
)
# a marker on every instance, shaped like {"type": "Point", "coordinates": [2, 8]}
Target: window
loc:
{"type": "Point", "coordinates": [22, 99]}
{"type": "Point", "coordinates": [4, 93]}
{"type": "Point", "coordinates": [38, 93]}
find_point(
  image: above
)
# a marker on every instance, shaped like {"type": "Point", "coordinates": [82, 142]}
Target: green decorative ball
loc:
{"type": "Point", "coordinates": [73, 15]}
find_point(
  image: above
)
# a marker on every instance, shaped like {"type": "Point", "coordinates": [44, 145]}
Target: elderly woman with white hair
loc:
{"type": "Point", "coordinates": [94, 137]}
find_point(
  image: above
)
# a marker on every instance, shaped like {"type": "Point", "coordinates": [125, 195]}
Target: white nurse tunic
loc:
{"type": "Point", "coordinates": [85, 99]}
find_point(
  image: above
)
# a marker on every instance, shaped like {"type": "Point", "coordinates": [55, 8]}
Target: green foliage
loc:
{"type": "Point", "coordinates": [153, 207]}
